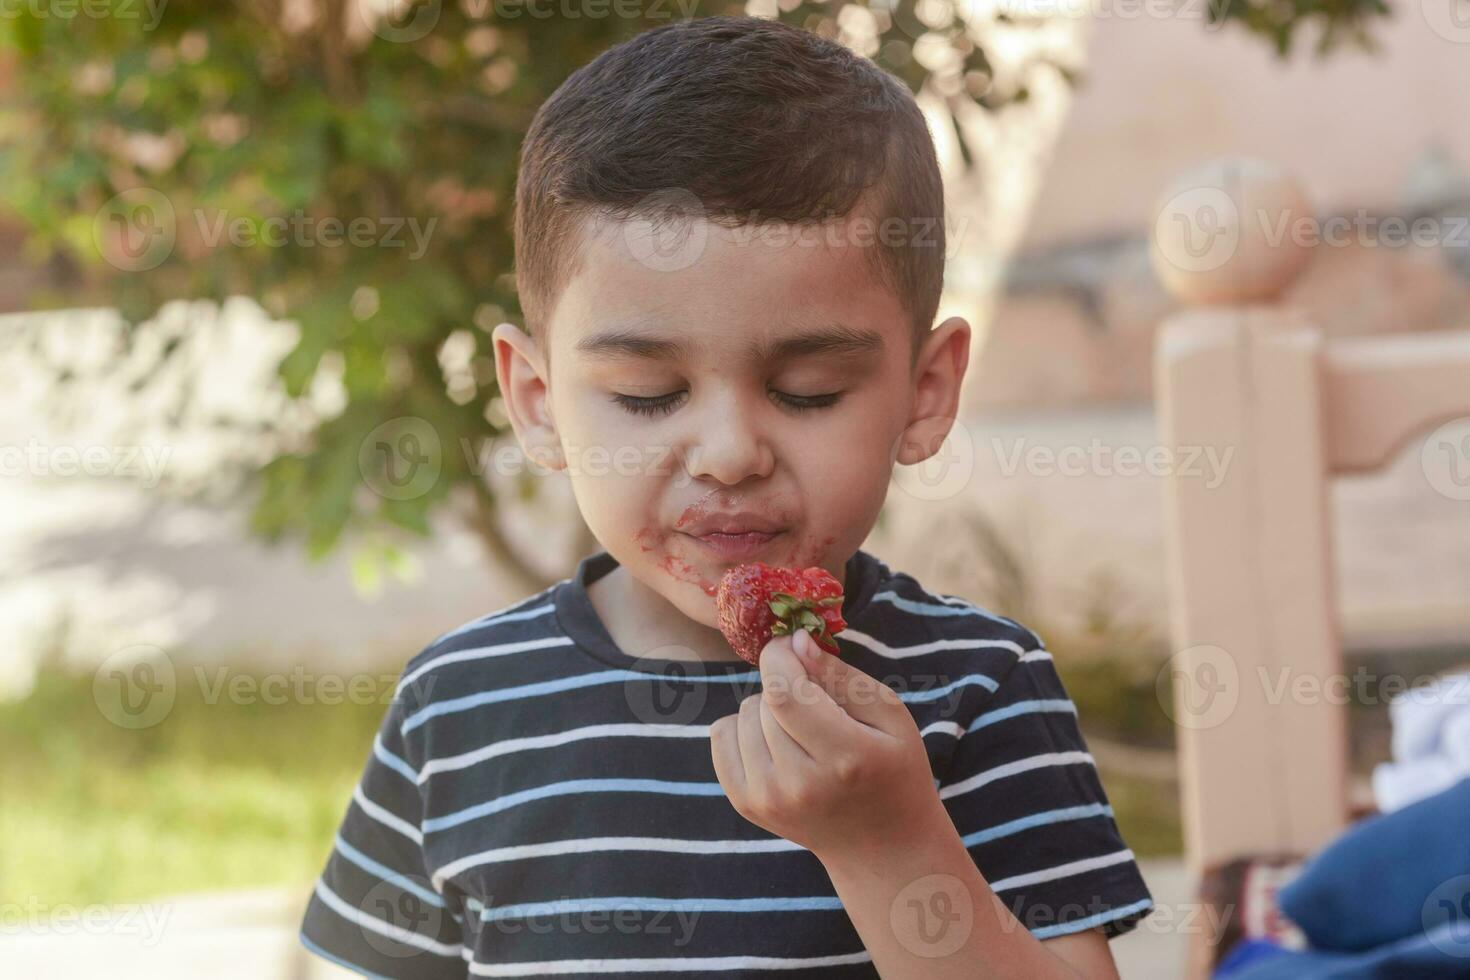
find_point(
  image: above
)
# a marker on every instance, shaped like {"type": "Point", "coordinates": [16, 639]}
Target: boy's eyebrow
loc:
{"type": "Point", "coordinates": [833, 340]}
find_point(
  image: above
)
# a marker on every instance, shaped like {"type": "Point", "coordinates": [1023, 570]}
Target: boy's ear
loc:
{"type": "Point", "coordinates": [521, 370]}
{"type": "Point", "coordinates": [939, 370]}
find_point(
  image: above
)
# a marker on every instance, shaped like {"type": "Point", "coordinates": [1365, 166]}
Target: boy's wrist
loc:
{"type": "Point", "coordinates": [924, 910]}
{"type": "Point", "coordinates": [925, 835]}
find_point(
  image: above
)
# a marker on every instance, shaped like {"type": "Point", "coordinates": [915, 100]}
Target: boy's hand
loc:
{"type": "Point", "coordinates": [825, 756]}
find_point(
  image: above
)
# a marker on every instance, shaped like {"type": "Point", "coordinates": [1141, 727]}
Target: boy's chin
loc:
{"type": "Point", "coordinates": [693, 603]}
{"type": "Point", "coordinates": [689, 599]}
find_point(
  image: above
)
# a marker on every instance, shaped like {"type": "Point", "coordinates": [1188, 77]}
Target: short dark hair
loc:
{"type": "Point", "coordinates": [757, 121]}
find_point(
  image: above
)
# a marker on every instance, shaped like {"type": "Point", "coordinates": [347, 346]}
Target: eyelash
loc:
{"type": "Point", "coordinates": [663, 404]}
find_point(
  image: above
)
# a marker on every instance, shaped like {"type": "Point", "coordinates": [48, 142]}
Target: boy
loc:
{"type": "Point", "coordinates": [730, 250]}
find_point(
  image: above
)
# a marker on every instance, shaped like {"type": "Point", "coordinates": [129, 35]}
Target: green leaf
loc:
{"type": "Point", "coordinates": [367, 572]}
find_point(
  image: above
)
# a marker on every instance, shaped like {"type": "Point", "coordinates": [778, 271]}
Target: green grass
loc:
{"type": "Point", "coordinates": [1147, 813]}
{"type": "Point", "coordinates": [218, 795]}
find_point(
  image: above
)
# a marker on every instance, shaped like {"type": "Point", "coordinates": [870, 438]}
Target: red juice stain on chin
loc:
{"type": "Point", "coordinates": [674, 566]}
{"type": "Point", "coordinates": [680, 570]}
{"type": "Point", "coordinates": [702, 507]}
{"type": "Point", "coordinates": [692, 513]}
{"type": "Point", "coordinates": [809, 554]}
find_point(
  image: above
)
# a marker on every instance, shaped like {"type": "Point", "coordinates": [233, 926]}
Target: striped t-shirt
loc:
{"type": "Point", "coordinates": [539, 802]}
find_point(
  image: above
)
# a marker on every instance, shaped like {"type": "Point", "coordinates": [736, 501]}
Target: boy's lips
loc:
{"type": "Point", "coordinates": [741, 522]}
{"type": "Point", "coordinates": [736, 547]}
{"type": "Point", "coordinates": [733, 535]}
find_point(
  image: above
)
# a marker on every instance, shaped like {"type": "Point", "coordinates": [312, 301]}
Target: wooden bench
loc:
{"type": "Point", "coordinates": [1257, 669]}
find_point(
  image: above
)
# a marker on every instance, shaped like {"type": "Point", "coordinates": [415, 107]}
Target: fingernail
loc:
{"type": "Point", "coordinates": [802, 643]}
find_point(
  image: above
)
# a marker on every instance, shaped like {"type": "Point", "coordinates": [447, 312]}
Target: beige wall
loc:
{"type": "Point", "coordinates": [1162, 95]}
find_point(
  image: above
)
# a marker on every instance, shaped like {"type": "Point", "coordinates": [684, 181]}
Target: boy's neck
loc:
{"type": "Point", "coordinates": [640, 620]}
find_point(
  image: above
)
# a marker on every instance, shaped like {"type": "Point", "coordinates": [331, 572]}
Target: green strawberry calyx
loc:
{"type": "Point", "coordinates": [793, 612]}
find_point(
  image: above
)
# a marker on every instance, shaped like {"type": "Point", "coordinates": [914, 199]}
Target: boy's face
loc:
{"type": "Point", "coordinates": [776, 382]}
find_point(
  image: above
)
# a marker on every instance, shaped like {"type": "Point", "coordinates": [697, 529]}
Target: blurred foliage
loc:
{"type": "Point", "coordinates": [1337, 22]}
{"type": "Point", "coordinates": [1108, 652]}
{"type": "Point", "coordinates": [139, 137]}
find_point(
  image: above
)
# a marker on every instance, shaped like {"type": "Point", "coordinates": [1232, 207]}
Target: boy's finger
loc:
{"type": "Point", "coordinates": [754, 754]}
{"type": "Point", "coordinates": [725, 754]}
{"type": "Point", "coordinates": [861, 695]}
{"type": "Point", "coordinates": [789, 758]}
{"type": "Point", "coordinates": [803, 709]}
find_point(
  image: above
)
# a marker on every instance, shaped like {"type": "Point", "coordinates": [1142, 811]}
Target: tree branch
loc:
{"type": "Point", "coordinates": [481, 517]}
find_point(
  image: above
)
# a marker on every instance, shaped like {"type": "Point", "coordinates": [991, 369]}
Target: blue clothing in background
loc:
{"type": "Point", "coordinates": [1443, 954]}
{"type": "Point", "coordinates": [1388, 900]}
{"type": "Point", "coordinates": [1369, 886]}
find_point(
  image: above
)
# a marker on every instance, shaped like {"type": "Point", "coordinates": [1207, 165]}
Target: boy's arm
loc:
{"type": "Point", "coordinates": [830, 758]}
{"type": "Point", "coordinates": [374, 908]}
{"type": "Point", "coordinates": [923, 910]}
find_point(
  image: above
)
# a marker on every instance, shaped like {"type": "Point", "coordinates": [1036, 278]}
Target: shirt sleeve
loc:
{"type": "Point", "coordinates": [375, 909]}
{"type": "Point", "coordinates": [1024, 794]}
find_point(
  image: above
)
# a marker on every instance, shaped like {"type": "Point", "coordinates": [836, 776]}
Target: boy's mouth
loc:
{"type": "Point", "coordinates": [698, 521]}
{"type": "Point", "coordinates": [741, 546]}
{"type": "Point", "coordinates": [734, 534]}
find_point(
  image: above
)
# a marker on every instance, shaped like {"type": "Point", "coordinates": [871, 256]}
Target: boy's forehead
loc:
{"type": "Point", "coordinates": [684, 288]}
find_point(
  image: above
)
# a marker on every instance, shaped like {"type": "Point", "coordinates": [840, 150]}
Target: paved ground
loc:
{"type": "Point", "coordinates": [244, 935]}
{"type": "Point", "coordinates": [252, 936]}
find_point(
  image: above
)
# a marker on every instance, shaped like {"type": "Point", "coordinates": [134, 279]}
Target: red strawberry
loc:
{"type": "Point", "coordinates": [756, 601]}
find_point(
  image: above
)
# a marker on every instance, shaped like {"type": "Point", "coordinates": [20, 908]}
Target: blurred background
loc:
{"type": "Point", "coordinates": [250, 257]}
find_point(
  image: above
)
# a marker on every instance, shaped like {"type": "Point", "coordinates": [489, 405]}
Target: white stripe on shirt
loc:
{"type": "Point", "coordinates": [361, 919]}
{"type": "Point", "coordinates": [481, 653]}
{"type": "Point", "coordinates": [689, 964]}
{"type": "Point", "coordinates": [919, 649]}
{"type": "Point", "coordinates": [1043, 761]}
{"type": "Point", "coordinates": [1062, 871]}
{"type": "Point", "coordinates": [385, 818]}
{"type": "Point", "coordinates": [587, 845]}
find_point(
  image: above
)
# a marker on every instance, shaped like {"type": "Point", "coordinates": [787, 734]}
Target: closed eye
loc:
{"type": "Point", "coordinates": [656, 405]}
{"type": "Point", "coordinates": [664, 404]}
{"type": "Point", "coordinates": [801, 403]}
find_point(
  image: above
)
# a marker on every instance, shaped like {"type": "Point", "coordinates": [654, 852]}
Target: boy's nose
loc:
{"type": "Point", "coordinates": [726, 445]}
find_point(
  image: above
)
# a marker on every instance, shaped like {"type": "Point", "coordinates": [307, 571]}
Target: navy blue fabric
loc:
{"type": "Point", "coordinates": [1443, 954]}
{"type": "Point", "coordinates": [1247, 953]}
{"type": "Point", "coordinates": [541, 802]}
{"type": "Point", "coordinates": [1369, 887]}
